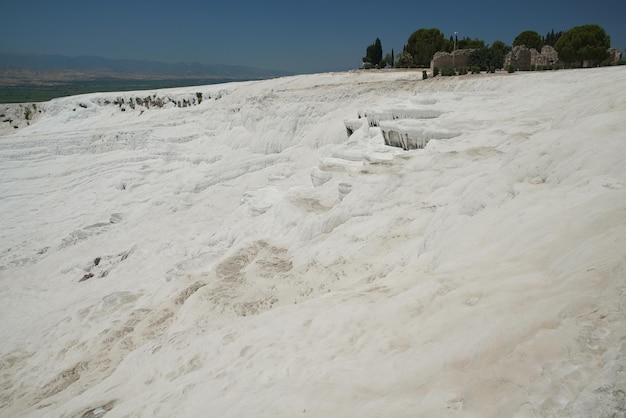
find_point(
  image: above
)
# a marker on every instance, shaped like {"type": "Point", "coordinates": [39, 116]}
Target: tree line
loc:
{"type": "Point", "coordinates": [581, 43]}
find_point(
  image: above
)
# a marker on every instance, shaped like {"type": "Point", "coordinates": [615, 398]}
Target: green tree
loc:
{"type": "Point", "coordinates": [583, 43]}
{"type": "Point", "coordinates": [490, 58]}
{"type": "Point", "coordinates": [530, 39]}
{"type": "Point", "coordinates": [499, 50]}
{"type": "Point", "coordinates": [467, 43]}
{"type": "Point", "coordinates": [404, 60]}
{"type": "Point", "coordinates": [388, 60]}
{"type": "Point", "coordinates": [487, 58]}
{"type": "Point", "coordinates": [374, 53]}
{"type": "Point", "coordinates": [423, 44]}
{"type": "Point", "coordinates": [448, 45]}
{"type": "Point", "coordinates": [551, 37]}
{"type": "Point", "coordinates": [501, 47]}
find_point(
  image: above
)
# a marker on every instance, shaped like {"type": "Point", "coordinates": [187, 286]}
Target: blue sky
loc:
{"type": "Point", "coordinates": [300, 37]}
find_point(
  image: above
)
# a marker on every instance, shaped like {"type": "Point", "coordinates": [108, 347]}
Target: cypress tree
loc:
{"type": "Point", "coordinates": [378, 51]}
{"type": "Point", "coordinates": [375, 52]}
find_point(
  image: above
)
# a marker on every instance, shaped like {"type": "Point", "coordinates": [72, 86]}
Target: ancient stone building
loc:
{"type": "Point", "coordinates": [458, 58]}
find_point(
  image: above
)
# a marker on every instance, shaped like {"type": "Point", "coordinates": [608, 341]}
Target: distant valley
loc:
{"type": "Point", "coordinates": [36, 78]}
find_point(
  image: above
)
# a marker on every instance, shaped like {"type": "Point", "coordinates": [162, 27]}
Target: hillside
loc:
{"type": "Point", "coordinates": [239, 256]}
{"type": "Point", "coordinates": [25, 77]}
{"type": "Point", "coordinates": [127, 67]}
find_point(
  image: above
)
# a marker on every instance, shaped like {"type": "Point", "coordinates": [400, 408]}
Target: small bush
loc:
{"type": "Point", "coordinates": [435, 71]}
{"type": "Point", "coordinates": [511, 69]}
{"type": "Point", "coordinates": [199, 96]}
{"type": "Point", "coordinates": [463, 70]}
{"type": "Point", "coordinates": [28, 114]}
{"type": "Point", "coordinates": [424, 74]}
{"type": "Point", "coordinates": [475, 69]}
{"type": "Point", "coordinates": [448, 71]}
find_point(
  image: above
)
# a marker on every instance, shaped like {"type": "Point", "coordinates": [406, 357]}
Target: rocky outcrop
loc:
{"type": "Point", "coordinates": [412, 134]}
{"type": "Point", "coordinates": [18, 115]}
{"type": "Point", "coordinates": [352, 125]}
{"type": "Point", "coordinates": [405, 126]}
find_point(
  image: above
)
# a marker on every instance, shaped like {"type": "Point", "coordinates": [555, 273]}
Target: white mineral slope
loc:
{"type": "Point", "coordinates": [243, 258]}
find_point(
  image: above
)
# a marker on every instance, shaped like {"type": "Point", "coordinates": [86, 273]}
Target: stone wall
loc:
{"type": "Point", "coordinates": [550, 54]}
{"type": "Point", "coordinates": [519, 57]}
{"type": "Point", "coordinates": [458, 58]}
{"type": "Point", "coordinates": [525, 59]}
{"type": "Point", "coordinates": [615, 54]}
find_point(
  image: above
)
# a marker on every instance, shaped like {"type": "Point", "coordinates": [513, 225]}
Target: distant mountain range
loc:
{"type": "Point", "coordinates": [98, 66]}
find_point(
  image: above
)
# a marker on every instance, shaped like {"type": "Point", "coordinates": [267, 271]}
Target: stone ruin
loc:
{"type": "Point", "coordinates": [519, 58]}
{"type": "Point", "coordinates": [615, 54]}
{"type": "Point", "coordinates": [550, 54]}
{"type": "Point", "coordinates": [524, 59]}
{"type": "Point", "coordinates": [456, 59]}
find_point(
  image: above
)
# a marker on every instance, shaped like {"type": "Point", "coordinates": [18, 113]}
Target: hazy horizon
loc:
{"type": "Point", "coordinates": [56, 61]}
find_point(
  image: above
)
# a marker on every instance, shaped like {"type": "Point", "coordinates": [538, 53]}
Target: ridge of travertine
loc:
{"type": "Point", "coordinates": [242, 257]}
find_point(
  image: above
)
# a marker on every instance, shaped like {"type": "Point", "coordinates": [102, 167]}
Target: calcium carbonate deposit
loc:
{"type": "Point", "coordinates": [229, 251]}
